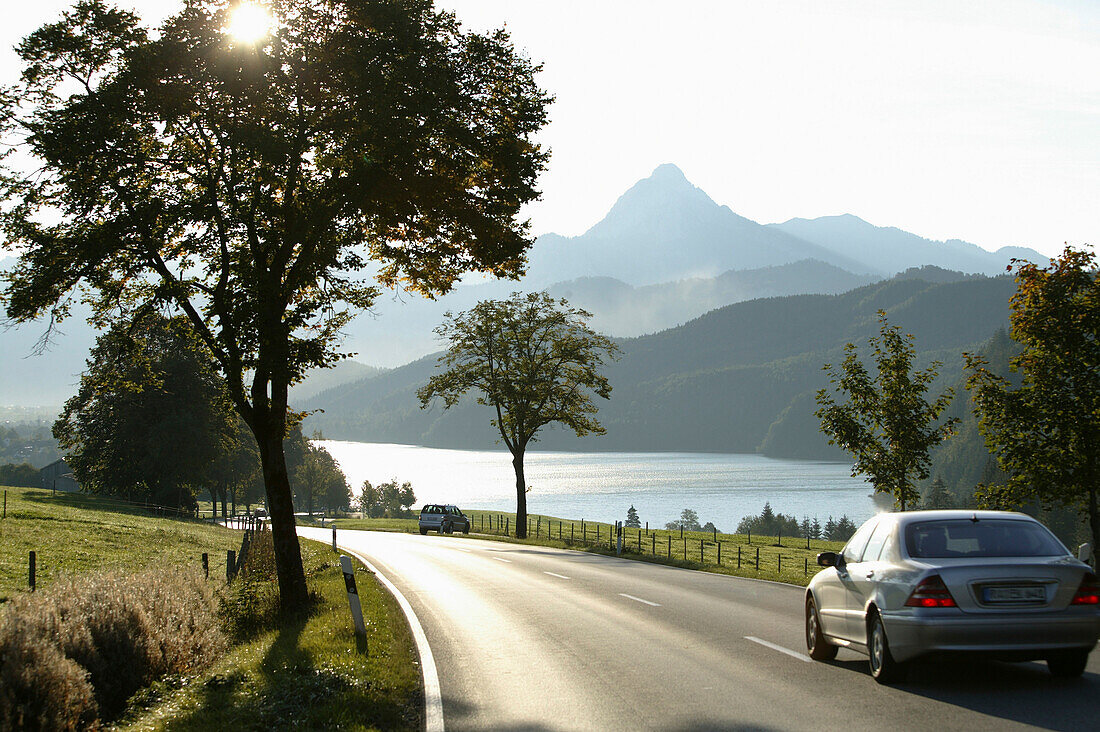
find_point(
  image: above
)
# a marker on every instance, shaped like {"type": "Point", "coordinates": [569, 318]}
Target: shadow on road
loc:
{"type": "Point", "coordinates": [1019, 692]}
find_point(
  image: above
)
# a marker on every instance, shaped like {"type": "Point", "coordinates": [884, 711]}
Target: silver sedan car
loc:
{"type": "Point", "coordinates": [985, 582]}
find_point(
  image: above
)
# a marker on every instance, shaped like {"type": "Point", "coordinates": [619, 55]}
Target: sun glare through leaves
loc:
{"type": "Point", "coordinates": [249, 23]}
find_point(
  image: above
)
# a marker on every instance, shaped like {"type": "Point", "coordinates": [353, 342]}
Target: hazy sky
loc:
{"type": "Point", "coordinates": [954, 119]}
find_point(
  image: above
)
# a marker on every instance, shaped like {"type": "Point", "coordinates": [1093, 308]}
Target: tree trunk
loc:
{"type": "Point", "coordinates": [521, 495]}
{"type": "Point", "coordinates": [280, 505]}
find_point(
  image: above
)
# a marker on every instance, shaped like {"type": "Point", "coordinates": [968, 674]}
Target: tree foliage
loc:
{"type": "Point", "coordinates": [534, 360]}
{"type": "Point", "coordinates": [1045, 433]}
{"type": "Point", "coordinates": [151, 416]}
{"type": "Point", "coordinates": [319, 481]}
{"type": "Point", "coordinates": [632, 520]}
{"type": "Point", "coordinates": [885, 421]}
{"type": "Point", "coordinates": [387, 500]}
{"type": "Point", "coordinates": [259, 187]}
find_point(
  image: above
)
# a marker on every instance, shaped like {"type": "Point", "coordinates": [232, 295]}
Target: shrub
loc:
{"type": "Point", "coordinates": [250, 605]}
{"type": "Point", "coordinates": [79, 650]}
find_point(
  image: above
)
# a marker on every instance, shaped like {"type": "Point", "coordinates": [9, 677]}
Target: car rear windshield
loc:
{"type": "Point", "coordinates": [981, 538]}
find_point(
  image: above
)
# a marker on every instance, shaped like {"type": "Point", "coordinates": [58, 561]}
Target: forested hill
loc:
{"type": "Point", "coordinates": [738, 379]}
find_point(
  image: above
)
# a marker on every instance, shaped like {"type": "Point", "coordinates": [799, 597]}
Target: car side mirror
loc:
{"type": "Point", "coordinates": [829, 559]}
{"type": "Point", "coordinates": [1084, 552]}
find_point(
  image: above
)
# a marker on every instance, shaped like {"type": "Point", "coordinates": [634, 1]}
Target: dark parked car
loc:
{"type": "Point", "coordinates": [445, 519]}
{"type": "Point", "coordinates": [992, 583]}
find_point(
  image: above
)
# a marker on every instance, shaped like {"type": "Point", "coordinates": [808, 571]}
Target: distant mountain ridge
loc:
{"type": "Point", "coordinates": [665, 228]}
{"type": "Point", "coordinates": [664, 254]}
{"type": "Point", "coordinates": [738, 379]}
{"type": "Point", "coordinates": [890, 250]}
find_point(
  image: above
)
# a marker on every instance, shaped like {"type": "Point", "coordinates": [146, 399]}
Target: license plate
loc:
{"type": "Point", "coordinates": [1014, 594]}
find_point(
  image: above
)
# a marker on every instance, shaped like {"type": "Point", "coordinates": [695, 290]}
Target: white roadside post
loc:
{"type": "Point", "coordinates": [334, 537]}
{"type": "Point", "coordinates": [619, 535]}
{"type": "Point", "coordinates": [353, 596]}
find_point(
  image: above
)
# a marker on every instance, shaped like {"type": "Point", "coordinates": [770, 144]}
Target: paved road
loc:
{"type": "Point", "coordinates": [532, 638]}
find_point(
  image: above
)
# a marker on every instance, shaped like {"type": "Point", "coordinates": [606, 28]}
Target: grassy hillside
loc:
{"type": "Point", "coordinates": [73, 534]}
{"type": "Point", "coordinates": [738, 379]}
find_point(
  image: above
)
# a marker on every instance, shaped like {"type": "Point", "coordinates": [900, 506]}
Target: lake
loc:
{"type": "Point", "coordinates": [721, 488]}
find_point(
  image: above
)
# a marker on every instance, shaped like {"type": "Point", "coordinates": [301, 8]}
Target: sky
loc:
{"type": "Point", "coordinates": [975, 120]}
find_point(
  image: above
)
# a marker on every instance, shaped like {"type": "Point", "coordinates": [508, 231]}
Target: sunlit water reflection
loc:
{"type": "Point", "coordinates": [722, 488]}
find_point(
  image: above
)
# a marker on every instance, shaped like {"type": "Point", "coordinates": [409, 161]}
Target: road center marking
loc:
{"type": "Point", "coordinates": [781, 649]}
{"type": "Point", "coordinates": [559, 576]}
{"type": "Point", "coordinates": [509, 561]}
{"type": "Point", "coordinates": [638, 599]}
{"type": "Point", "coordinates": [460, 549]}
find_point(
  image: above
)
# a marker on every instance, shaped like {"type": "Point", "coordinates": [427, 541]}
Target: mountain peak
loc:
{"type": "Point", "coordinates": [668, 172]}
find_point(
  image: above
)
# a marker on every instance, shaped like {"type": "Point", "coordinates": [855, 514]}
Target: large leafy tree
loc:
{"type": "Point", "coordinates": [263, 188]}
{"type": "Point", "coordinates": [1046, 432]}
{"type": "Point", "coordinates": [884, 419]}
{"type": "Point", "coordinates": [535, 361]}
{"type": "Point", "coordinates": [151, 418]}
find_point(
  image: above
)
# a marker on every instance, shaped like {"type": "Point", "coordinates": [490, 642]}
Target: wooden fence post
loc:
{"type": "Point", "coordinates": [205, 565]}
{"type": "Point", "coordinates": [719, 554]}
{"type": "Point", "coordinates": [230, 565]}
{"type": "Point", "coordinates": [757, 559]}
{"type": "Point", "coordinates": [701, 560]}
{"type": "Point", "coordinates": [739, 557]}
{"type": "Point", "coordinates": [31, 571]}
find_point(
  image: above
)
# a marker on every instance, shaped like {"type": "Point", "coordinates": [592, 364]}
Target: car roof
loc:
{"type": "Point", "coordinates": [904, 518]}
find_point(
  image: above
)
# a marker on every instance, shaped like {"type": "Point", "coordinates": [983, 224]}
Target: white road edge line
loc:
{"type": "Point", "coordinates": [554, 574]}
{"type": "Point", "coordinates": [433, 697]}
{"type": "Point", "coordinates": [509, 561]}
{"type": "Point", "coordinates": [638, 599]}
{"type": "Point", "coordinates": [781, 649]}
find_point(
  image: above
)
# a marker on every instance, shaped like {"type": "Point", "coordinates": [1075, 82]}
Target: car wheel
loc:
{"type": "Point", "coordinates": [1068, 664]}
{"type": "Point", "coordinates": [818, 648]}
{"type": "Point", "coordinates": [466, 528]}
{"type": "Point", "coordinates": [445, 527]}
{"type": "Point", "coordinates": [423, 531]}
{"type": "Point", "coordinates": [884, 669]}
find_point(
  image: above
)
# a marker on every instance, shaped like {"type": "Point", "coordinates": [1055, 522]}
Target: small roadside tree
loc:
{"type": "Point", "coordinates": [884, 420]}
{"type": "Point", "coordinates": [260, 186]}
{"type": "Point", "coordinates": [531, 358]}
{"type": "Point", "coordinates": [632, 520]}
{"type": "Point", "coordinates": [1046, 433]}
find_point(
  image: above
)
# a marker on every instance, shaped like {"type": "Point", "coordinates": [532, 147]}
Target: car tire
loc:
{"type": "Point", "coordinates": [884, 669]}
{"type": "Point", "coordinates": [445, 527]}
{"type": "Point", "coordinates": [1069, 664]}
{"type": "Point", "coordinates": [817, 647]}
{"type": "Point", "coordinates": [466, 529]}
{"type": "Point", "coordinates": [423, 531]}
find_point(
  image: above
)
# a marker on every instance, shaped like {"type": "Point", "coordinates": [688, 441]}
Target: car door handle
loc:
{"type": "Point", "coordinates": [871, 574]}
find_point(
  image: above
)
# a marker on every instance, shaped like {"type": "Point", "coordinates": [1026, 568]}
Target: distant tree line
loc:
{"type": "Point", "coordinates": [23, 475]}
{"type": "Point", "coordinates": [28, 443]}
{"type": "Point", "coordinates": [770, 523]}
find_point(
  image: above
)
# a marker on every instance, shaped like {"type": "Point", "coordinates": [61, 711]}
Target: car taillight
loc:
{"type": "Point", "coordinates": [1089, 591]}
{"type": "Point", "coordinates": [931, 592]}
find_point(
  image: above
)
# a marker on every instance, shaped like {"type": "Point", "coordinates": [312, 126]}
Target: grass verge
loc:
{"type": "Point", "coordinates": [780, 559]}
{"type": "Point", "coordinates": [308, 671]}
{"type": "Point", "coordinates": [311, 672]}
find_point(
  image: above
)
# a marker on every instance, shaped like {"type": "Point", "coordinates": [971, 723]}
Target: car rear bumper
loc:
{"type": "Point", "coordinates": [1016, 637]}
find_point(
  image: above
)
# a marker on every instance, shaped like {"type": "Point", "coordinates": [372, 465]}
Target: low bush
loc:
{"type": "Point", "coordinates": [76, 653]}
